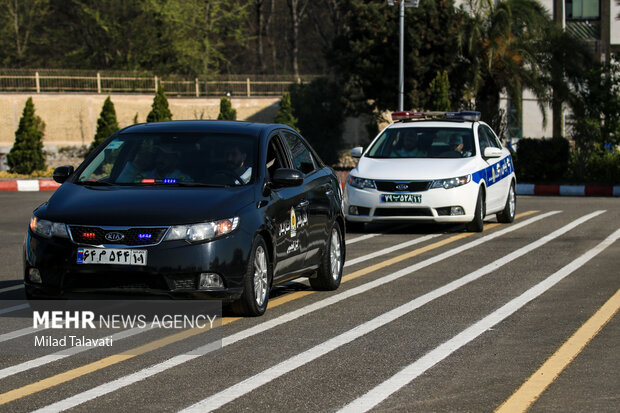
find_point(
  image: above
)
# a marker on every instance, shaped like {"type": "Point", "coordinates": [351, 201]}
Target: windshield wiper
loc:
{"type": "Point", "coordinates": [94, 183]}
{"type": "Point", "coordinates": [195, 184]}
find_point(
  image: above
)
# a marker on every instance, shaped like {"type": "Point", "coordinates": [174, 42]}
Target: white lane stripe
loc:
{"type": "Point", "coordinates": [19, 333]}
{"type": "Point", "coordinates": [262, 327]}
{"type": "Point", "coordinates": [389, 250]}
{"type": "Point", "coordinates": [242, 388]}
{"type": "Point", "coordinates": [14, 308]}
{"type": "Point", "coordinates": [360, 238]}
{"type": "Point", "coordinates": [11, 288]}
{"type": "Point", "coordinates": [49, 358]}
{"type": "Point", "coordinates": [419, 367]}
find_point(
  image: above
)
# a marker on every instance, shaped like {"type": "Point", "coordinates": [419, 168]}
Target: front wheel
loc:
{"type": "Point", "coordinates": [253, 301]}
{"type": "Point", "coordinates": [507, 215]}
{"type": "Point", "coordinates": [329, 274]}
{"type": "Point", "coordinates": [477, 225]}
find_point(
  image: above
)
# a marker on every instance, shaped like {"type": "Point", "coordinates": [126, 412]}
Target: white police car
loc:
{"type": "Point", "coordinates": [432, 166]}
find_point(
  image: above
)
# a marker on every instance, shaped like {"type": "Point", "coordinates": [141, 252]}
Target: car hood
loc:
{"type": "Point", "coordinates": [124, 206]}
{"type": "Point", "coordinates": [413, 169]}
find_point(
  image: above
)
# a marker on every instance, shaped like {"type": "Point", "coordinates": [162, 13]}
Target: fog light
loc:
{"type": "Point", "coordinates": [353, 210]}
{"type": "Point", "coordinates": [210, 280]}
{"type": "Point", "coordinates": [457, 210]}
{"type": "Point", "coordinates": [34, 276]}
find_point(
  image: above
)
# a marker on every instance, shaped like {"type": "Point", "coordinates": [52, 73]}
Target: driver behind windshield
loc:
{"type": "Point", "coordinates": [166, 167]}
{"type": "Point", "coordinates": [237, 162]}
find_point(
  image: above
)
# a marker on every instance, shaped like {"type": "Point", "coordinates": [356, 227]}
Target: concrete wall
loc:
{"type": "Point", "coordinates": [71, 119]}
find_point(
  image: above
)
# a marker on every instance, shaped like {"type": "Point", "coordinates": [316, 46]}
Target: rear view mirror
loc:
{"type": "Point", "coordinates": [62, 173]}
{"type": "Point", "coordinates": [357, 152]}
{"type": "Point", "coordinates": [492, 152]}
{"type": "Point", "coordinates": [285, 177]}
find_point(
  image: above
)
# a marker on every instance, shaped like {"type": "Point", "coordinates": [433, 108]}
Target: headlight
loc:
{"type": "Point", "coordinates": [204, 231]}
{"type": "Point", "coordinates": [361, 182]}
{"type": "Point", "coordinates": [48, 229]}
{"type": "Point", "coordinates": [451, 183]}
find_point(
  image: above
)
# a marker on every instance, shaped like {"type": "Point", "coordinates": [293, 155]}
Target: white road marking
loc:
{"type": "Point", "coordinates": [14, 308]}
{"type": "Point", "coordinates": [419, 367]}
{"type": "Point", "coordinates": [389, 249]}
{"type": "Point", "coordinates": [227, 395]}
{"type": "Point", "coordinates": [360, 238]}
{"type": "Point", "coordinates": [267, 325]}
{"type": "Point", "coordinates": [19, 333]}
{"type": "Point", "coordinates": [11, 288]}
{"type": "Point", "coordinates": [59, 355]}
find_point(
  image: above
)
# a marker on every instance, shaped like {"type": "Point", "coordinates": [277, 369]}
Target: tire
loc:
{"type": "Point", "coordinates": [353, 226]}
{"type": "Point", "coordinates": [329, 274]}
{"type": "Point", "coordinates": [255, 296]}
{"type": "Point", "coordinates": [477, 225]}
{"type": "Point", "coordinates": [507, 215]}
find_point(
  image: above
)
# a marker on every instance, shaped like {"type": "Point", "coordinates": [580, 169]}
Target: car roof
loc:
{"type": "Point", "coordinates": [214, 126]}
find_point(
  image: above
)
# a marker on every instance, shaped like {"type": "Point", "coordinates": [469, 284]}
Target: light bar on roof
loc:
{"type": "Point", "coordinates": [467, 115]}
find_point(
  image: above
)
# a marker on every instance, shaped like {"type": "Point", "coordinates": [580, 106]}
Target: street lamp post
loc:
{"type": "Point", "coordinates": [401, 55]}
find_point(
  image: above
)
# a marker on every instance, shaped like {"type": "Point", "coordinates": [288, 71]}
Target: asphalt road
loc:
{"type": "Point", "coordinates": [428, 318]}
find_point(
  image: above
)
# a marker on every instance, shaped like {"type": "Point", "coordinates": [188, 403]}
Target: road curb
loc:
{"type": "Point", "coordinates": [28, 185]}
{"type": "Point", "coordinates": [568, 190]}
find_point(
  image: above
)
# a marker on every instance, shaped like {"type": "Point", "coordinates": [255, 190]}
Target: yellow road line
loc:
{"type": "Point", "coordinates": [159, 343]}
{"type": "Point", "coordinates": [531, 390]}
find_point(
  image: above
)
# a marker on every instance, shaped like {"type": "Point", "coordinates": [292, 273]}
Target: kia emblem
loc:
{"type": "Point", "coordinates": [402, 187]}
{"type": "Point", "coordinates": [114, 236]}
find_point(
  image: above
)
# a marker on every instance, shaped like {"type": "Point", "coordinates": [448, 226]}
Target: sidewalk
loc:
{"type": "Point", "coordinates": [33, 185]}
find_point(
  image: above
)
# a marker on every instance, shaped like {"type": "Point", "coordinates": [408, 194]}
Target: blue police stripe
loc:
{"type": "Point", "coordinates": [494, 173]}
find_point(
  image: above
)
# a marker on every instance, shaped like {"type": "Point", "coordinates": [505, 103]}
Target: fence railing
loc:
{"type": "Point", "coordinates": [55, 81]}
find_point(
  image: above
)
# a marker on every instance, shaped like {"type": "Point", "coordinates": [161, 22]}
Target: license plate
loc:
{"type": "Point", "coordinates": [111, 256]}
{"type": "Point", "coordinates": [408, 198]}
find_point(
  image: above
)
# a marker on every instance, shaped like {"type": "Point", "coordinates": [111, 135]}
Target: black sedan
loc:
{"type": "Point", "coordinates": [190, 209]}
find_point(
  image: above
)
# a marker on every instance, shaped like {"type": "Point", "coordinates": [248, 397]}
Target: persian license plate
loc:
{"type": "Point", "coordinates": [408, 198]}
{"type": "Point", "coordinates": [111, 256]}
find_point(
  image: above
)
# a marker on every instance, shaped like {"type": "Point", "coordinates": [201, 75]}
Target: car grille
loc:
{"type": "Point", "coordinates": [403, 212]}
{"type": "Point", "coordinates": [125, 280]}
{"type": "Point", "coordinates": [139, 236]}
{"type": "Point", "coordinates": [412, 186]}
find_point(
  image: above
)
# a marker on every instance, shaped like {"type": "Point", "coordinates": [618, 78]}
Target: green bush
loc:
{"type": "Point", "coordinates": [226, 110]}
{"type": "Point", "coordinates": [26, 155]}
{"type": "Point", "coordinates": [594, 167]}
{"type": "Point", "coordinates": [285, 114]}
{"type": "Point", "coordinates": [319, 108]}
{"type": "Point", "coordinates": [106, 124]}
{"type": "Point", "coordinates": [160, 111]}
{"type": "Point", "coordinates": [542, 160]}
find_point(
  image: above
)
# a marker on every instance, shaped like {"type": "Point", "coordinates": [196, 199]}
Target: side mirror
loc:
{"type": "Point", "coordinates": [285, 177]}
{"type": "Point", "coordinates": [492, 153]}
{"type": "Point", "coordinates": [62, 173]}
{"type": "Point", "coordinates": [357, 152]}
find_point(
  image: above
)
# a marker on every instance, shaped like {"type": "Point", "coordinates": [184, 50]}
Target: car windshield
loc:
{"type": "Point", "coordinates": [424, 142]}
{"type": "Point", "coordinates": [173, 159]}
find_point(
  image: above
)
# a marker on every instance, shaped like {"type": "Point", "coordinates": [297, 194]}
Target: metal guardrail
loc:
{"type": "Point", "coordinates": [52, 81]}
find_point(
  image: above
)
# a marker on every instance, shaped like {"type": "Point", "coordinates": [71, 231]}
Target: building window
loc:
{"type": "Point", "coordinates": [583, 9]}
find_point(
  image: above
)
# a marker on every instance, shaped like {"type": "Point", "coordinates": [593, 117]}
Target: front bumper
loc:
{"type": "Point", "coordinates": [435, 206]}
{"type": "Point", "coordinates": [173, 269]}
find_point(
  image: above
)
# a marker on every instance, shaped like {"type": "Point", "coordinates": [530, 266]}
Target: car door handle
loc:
{"type": "Point", "coordinates": [329, 192]}
{"type": "Point", "coordinates": [303, 204]}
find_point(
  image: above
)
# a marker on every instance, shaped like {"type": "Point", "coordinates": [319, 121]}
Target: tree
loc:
{"type": "Point", "coordinates": [21, 27]}
{"type": "Point", "coordinates": [226, 110]}
{"type": "Point", "coordinates": [285, 114]}
{"type": "Point", "coordinates": [440, 88]}
{"type": "Point", "coordinates": [364, 57]}
{"type": "Point", "coordinates": [319, 108]}
{"type": "Point", "coordinates": [297, 9]}
{"type": "Point", "coordinates": [160, 111]}
{"type": "Point", "coordinates": [502, 45]}
{"type": "Point", "coordinates": [106, 124]}
{"type": "Point", "coordinates": [26, 155]}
